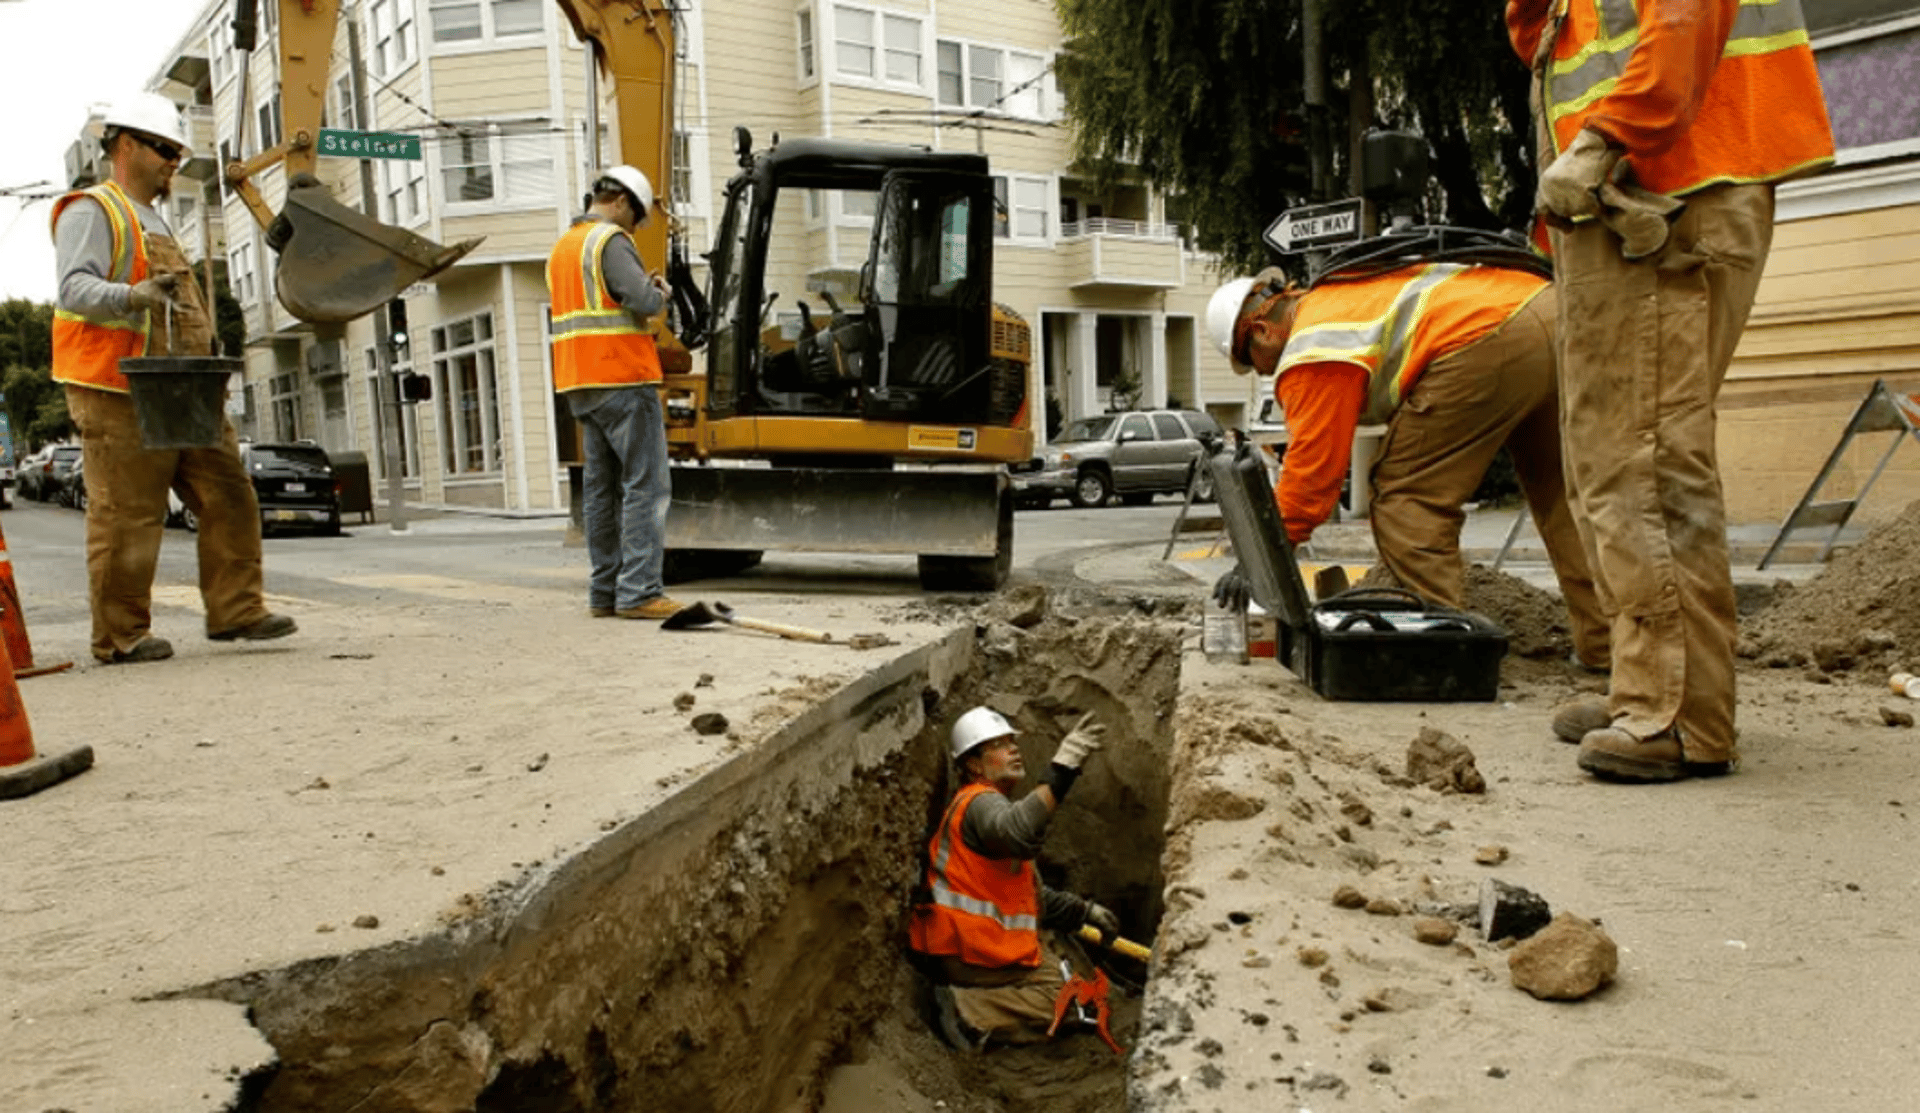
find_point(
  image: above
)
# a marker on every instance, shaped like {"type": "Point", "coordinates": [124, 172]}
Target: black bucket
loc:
{"type": "Point", "coordinates": [180, 401]}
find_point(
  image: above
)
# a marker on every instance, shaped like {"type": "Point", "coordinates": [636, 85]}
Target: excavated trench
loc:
{"type": "Point", "coordinates": [740, 947]}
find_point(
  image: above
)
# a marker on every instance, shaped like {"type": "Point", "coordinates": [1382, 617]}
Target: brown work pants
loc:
{"type": "Point", "coordinates": [1499, 390]}
{"type": "Point", "coordinates": [126, 513]}
{"type": "Point", "coordinates": [1646, 347]}
{"type": "Point", "coordinates": [1020, 1011]}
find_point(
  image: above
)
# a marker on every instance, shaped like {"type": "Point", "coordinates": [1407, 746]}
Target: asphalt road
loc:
{"type": "Point", "coordinates": [1116, 549]}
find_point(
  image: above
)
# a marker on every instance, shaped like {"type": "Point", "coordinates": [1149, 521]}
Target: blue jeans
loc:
{"type": "Point", "coordinates": [627, 489]}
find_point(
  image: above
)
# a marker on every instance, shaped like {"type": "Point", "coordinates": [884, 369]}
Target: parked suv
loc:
{"type": "Point", "coordinates": [42, 474]}
{"type": "Point", "coordinates": [295, 485]}
{"type": "Point", "coordinates": [1135, 455]}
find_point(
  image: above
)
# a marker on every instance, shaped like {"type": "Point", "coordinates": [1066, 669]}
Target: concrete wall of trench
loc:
{"type": "Point", "coordinates": [722, 951]}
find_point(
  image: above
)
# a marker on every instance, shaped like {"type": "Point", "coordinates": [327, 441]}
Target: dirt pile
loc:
{"type": "Point", "coordinates": [1535, 620]}
{"type": "Point", "coordinates": [1861, 613]}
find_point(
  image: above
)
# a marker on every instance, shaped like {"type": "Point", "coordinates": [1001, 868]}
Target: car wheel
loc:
{"type": "Point", "coordinates": [80, 499]}
{"type": "Point", "coordinates": [1091, 489]}
{"type": "Point", "coordinates": [1203, 484]}
{"type": "Point", "coordinates": [332, 528]}
{"type": "Point", "coordinates": [189, 520]}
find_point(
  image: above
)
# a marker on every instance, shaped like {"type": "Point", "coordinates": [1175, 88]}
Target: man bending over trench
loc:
{"type": "Point", "coordinates": [988, 922]}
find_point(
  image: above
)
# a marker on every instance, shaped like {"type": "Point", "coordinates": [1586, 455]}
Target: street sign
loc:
{"type": "Point", "coordinates": [335, 143]}
{"type": "Point", "coordinates": [1315, 226]}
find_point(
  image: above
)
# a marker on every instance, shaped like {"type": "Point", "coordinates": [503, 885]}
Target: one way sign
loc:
{"type": "Point", "coordinates": [1315, 226]}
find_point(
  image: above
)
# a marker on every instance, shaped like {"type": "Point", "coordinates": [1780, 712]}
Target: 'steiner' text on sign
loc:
{"type": "Point", "coordinates": [367, 144]}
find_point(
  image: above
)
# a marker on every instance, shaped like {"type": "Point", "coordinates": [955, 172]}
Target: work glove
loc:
{"type": "Point", "coordinates": [1641, 218]}
{"type": "Point", "coordinates": [152, 293]}
{"type": "Point", "coordinates": [1569, 188]}
{"type": "Point", "coordinates": [1233, 590]}
{"type": "Point", "coordinates": [1084, 739]}
{"type": "Point", "coordinates": [1102, 919]}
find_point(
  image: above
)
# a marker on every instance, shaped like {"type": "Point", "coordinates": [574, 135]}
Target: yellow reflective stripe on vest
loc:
{"type": "Point", "coordinates": [126, 324]}
{"type": "Point", "coordinates": [945, 896]}
{"type": "Point", "coordinates": [1383, 342]}
{"type": "Point", "coordinates": [125, 228]}
{"type": "Point", "coordinates": [603, 316]}
{"type": "Point", "coordinates": [1759, 27]}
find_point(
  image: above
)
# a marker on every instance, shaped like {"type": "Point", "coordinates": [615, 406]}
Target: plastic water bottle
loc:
{"type": "Point", "coordinates": [1223, 634]}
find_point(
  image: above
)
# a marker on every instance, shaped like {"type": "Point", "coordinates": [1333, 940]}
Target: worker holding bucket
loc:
{"type": "Point", "coordinates": [126, 294]}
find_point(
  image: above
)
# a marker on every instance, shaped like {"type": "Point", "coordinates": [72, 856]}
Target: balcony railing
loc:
{"type": "Point", "coordinates": [1108, 226]}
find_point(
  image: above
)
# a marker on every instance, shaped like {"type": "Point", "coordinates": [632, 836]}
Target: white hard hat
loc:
{"type": "Point", "coordinates": [150, 113]}
{"type": "Point", "coordinates": [982, 724]}
{"type": "Point", "coordinates": [1223, 310]}
{"type": "Point", "coordinates": [634, 182]}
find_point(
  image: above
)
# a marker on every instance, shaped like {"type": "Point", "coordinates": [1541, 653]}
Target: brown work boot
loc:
{"type": "Point", "coordinates": [658, 607]}
{"type": "Point", "coordinates": [600, 612]}
{"type": "Point", "coordinates": [1572, 721]}
{"type": "Point", "coordinates": [259, 630]}
{"type": "Point", "coordinates": [1615, 755]}
{"type": "Point", "coordinates": [148, 648]}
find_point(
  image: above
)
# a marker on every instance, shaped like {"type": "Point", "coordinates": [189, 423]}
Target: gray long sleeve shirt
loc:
{"type": "Point", "coordinates": [997, 827]}
{"type": "Point", "coordinates": [83, 252]}
{"type": "Point", "coordinates": [627, 279]}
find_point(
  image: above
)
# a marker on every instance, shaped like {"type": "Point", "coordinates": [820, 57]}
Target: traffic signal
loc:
{"type": "Point", "coordinates": [415, 388]}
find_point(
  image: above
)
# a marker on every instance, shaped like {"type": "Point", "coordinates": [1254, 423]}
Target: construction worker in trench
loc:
{"type": "Point", "coordinates": [987, 923]}
{"type": "Point", "coordinates": [1664, 126]}
{"type": "Point", "coordinates": [1458, 361]}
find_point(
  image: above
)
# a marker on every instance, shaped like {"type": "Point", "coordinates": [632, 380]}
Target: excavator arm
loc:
{"type": "Point", "coordinates": [336, 263]}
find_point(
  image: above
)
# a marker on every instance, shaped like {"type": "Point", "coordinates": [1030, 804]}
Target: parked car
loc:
{"type": "Point", "coordinates": [41, 474]}
{"type": "Point", "coordinates": [72, 490]}
{"type": "Point", "coordinates": [1136, 455]}
{"type": "Point", "coordinates": [294, 484]}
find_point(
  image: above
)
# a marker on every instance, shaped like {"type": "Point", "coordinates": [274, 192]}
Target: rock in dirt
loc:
{"type": "Point", "coordinates": [684, 701]}
{"type": "Point", "coordinates": [1439, 761]}
{"type": "Point", "coordinates": [710, 723]}
{"type": "Point", "coordinates": [1024, 606]}
{"type": "Point", "coordinates": [1567, 960]}
{"type": "Point", "coordinates": [1509, 911]}
{"type": "Point", "coordinates": [1435, 931]}
{"type": "Point", "coordinates": [1894, 717]}
{"type": "Point", "coordinates": [1490, 855]}
{"type": "Point", "coordinates": [1346, 896]}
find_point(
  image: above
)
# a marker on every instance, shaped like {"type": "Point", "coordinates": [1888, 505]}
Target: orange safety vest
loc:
{"type": "Point", "coordinates": [1394, 324]}
{"type": "Point", "coordinates": [596, 342]}
{"type": "Point", "coordinates": [1763, 117]}
{"type": "Point", "coordinates": [87, 352]}
{"type": "Point", "coordinates": [984, 911]}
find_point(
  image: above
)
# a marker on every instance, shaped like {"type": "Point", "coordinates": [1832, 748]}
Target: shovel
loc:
{"type": "Point", "coordinates": [701, 614]}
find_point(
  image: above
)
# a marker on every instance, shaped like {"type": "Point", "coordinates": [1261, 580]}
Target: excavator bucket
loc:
{"type": "Point", "coordinates": [337, 264]}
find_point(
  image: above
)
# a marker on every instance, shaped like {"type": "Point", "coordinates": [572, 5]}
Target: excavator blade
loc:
{"type": "Point", "coordinates": [337, 264]}
{"type": "Point", "coordinates": [936, 513]}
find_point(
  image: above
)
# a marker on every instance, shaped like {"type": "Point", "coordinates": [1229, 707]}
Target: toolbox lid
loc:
{"type": "Point", "coordinates": [1245, 495]}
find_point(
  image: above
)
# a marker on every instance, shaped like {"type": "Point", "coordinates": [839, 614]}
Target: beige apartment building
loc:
{"type": "Point", "coordinates": [497, 91]}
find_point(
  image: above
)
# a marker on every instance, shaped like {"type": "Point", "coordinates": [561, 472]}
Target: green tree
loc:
{"type": "Point", "coordinates": [1205, 100]}
{"type": "Point", "coordinates": [36, 406]}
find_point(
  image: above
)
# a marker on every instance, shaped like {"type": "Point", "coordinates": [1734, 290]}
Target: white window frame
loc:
{"type": "Point", "coordinates": [807, 48]}
{"type": "Point", "coordinates": [242, 279]}
{"type": "Point", "coordinates": [456, 447]}
{"type": "Point", "coordinates": [488, 32]}
{"type": "Point", "coordinates": [1043, 104]}
{"type": "Point", "coordinates": [392, 47]}
{"type": "Point", "coordinates": [220, 51]}
{"type": "Point", "coordinates": [883, 46]}
{"type": "Point", "coordinates": [1008, 188]}
{"type": "Point", "coordinates": [404, 199]}
{"type": "Point", "coordinates": [268, 119]}
{"type": "Point", "coordinates": [343, 111]}
{"type": "Point", "coordinates": [533, 145]}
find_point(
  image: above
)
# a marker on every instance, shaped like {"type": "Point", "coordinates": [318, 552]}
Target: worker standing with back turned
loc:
{"type": "Point", "coordinates": [126, 290]}
{"type": "Point", "coordinates": [1458, 360]}
{"type": "Point", "coordinates": [1664, 127]}
{"type": "Point", "coordinates": [606, 365]}
{"type": "Point", "coordinates": [983, 917]}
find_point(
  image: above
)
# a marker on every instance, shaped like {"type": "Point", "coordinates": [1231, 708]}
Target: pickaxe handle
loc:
{"type": "Point", "coordinates": [1117, 945]}
{"type": "Point", "coordinates": [797, 633]}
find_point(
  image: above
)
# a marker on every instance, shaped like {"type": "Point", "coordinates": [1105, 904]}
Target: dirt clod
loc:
{"type": "Point", "coordinates": [1346, 896]}
{"type": "Point", "coordinates": [684, 701]}
{"type": "Point", "coordinates": [1569, 959]}
{"type": "Point", "coordinates": [1894, 717]}
{"type": "Point", "coordinates": [711, 722]}
{"type": "Point", "coordinates": [1441, 762]}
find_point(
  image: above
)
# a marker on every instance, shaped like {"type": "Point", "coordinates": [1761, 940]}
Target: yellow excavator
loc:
{"type": "Point", "coordinates": [884, 426]}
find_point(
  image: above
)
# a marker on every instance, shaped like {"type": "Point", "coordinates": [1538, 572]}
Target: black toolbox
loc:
{"type": "Point", "coordinates": [1363, 644]}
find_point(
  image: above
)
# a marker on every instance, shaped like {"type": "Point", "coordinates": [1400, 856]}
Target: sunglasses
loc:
{"type": "Point", "coordinates": [169, 151]}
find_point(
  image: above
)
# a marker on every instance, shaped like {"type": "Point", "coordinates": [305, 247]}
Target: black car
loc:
{"type": "Point", "coordinates": [295, 485]}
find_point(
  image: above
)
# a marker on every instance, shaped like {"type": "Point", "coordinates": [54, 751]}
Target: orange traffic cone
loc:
{"type": "Point", "coordinates": [22, 771]}
{"type": "Point", "coordinates": [13, 623]}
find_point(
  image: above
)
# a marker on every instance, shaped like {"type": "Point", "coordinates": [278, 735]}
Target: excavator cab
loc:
{"type": "Point", "coordinates": [914, 345]}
